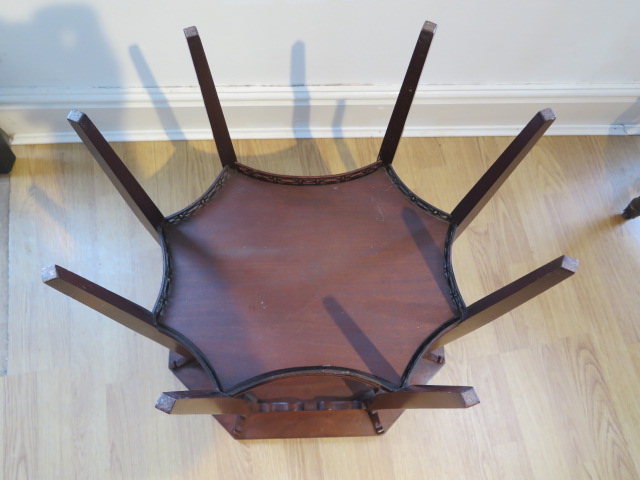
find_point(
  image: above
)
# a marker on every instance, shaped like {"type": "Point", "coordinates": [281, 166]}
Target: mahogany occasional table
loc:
{"type": "Point", "coordinates": [308, 306]}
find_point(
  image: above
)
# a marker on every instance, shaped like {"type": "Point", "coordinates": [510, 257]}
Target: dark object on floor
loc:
{"type": "Point", "coordinates": [308, 306]}
{"type": "Point", "coordinates": [7, 157]}
{"type": "Point", "coordinates": [632, 210]}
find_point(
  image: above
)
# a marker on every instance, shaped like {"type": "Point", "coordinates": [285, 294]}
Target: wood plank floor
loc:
{"type": "Point", "coordinates": [558, 378]}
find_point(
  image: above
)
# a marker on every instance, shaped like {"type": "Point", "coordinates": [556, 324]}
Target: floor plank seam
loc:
{"type": "Point", "coordinates": [4, 240]}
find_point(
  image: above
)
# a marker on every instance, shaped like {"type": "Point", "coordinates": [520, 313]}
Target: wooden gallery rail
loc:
{"type": "Point", "coordinates": [308, 306]}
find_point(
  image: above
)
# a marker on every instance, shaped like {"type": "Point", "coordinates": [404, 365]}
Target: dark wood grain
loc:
{"type": "Point", "coordinates": [490, 182]}
{"type": "Point", "coordinates": [268, 277]}
{"type": "Point", "coordinates": [303, 415]}
{"type": "Point", "coordinates": [407, 92]}
{"type": "Point", "coordinates": [425, 396]}
{"type": "Point", "coordinates": [346, 422]}
{"type": "Point", "coordinates": [117, 308]}
{"type": "Point", "coordinates": [126, 184]}
{"type": "Point", "coordinates": [216, 403]}
{"type": "Point", "coordinates": [307, 180]}
{"type": "Point", "coordinates": [212, 105]}
{"type": "Point", "coordinates": [203, 402]}
{"type": "Point", "coordinates": [509, 297]}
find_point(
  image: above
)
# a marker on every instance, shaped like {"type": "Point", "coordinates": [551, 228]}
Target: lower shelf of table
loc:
{"type": "Point", "coordinates": [314, 424]}
{"type": "Point", "coordinates": [326, 406]}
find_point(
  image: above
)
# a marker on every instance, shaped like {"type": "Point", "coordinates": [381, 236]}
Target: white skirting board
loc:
{"type": "Point", "coordinates": [38, 115]}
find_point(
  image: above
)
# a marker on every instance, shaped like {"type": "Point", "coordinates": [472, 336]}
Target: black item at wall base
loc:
{"type": "Point", "coordinates": [632, 210]}
{"type": "Point", "coordinates": [7, 158]}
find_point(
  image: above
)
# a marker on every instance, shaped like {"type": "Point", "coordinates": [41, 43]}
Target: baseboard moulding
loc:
{"type": "Point", "coordinates": [38, 115]}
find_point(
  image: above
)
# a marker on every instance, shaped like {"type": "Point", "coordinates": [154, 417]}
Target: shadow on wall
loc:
{"type": "Point", "coordinates": [61, 46]}
{"type": "Point", "coordinates": [304, 143]}
{"type": "Point", "coordinates": [301, 118]}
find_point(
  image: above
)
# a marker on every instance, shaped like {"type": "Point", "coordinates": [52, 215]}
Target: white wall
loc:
{"type": "Point", "coordinates": [321, 67]}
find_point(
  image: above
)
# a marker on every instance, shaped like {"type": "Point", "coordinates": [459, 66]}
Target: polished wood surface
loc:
{"type": "Point", "coordinates": [558, 377]}
{"type": "Point", "coordinates": [113, 306]}
{"type": "Point", "coordinates": [511, 296]}
{"type": "Point", "coordinates": [270, 277]}
{"type": "Point", "coordinates": [212, 104]}
{"type": "Point", "coordinates": [393, 134]}
{"type": "Point", "coordinates": [122, 179]}
{"type": "Point", "coordinates": [482, 192]}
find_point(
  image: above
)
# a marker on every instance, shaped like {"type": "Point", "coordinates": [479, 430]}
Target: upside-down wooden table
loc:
{"type": "Point", "coordinates": [308, 306]}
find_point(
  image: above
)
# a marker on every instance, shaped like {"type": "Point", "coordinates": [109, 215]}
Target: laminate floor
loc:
{"type": "Point", "coordinates": [558, 378]}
